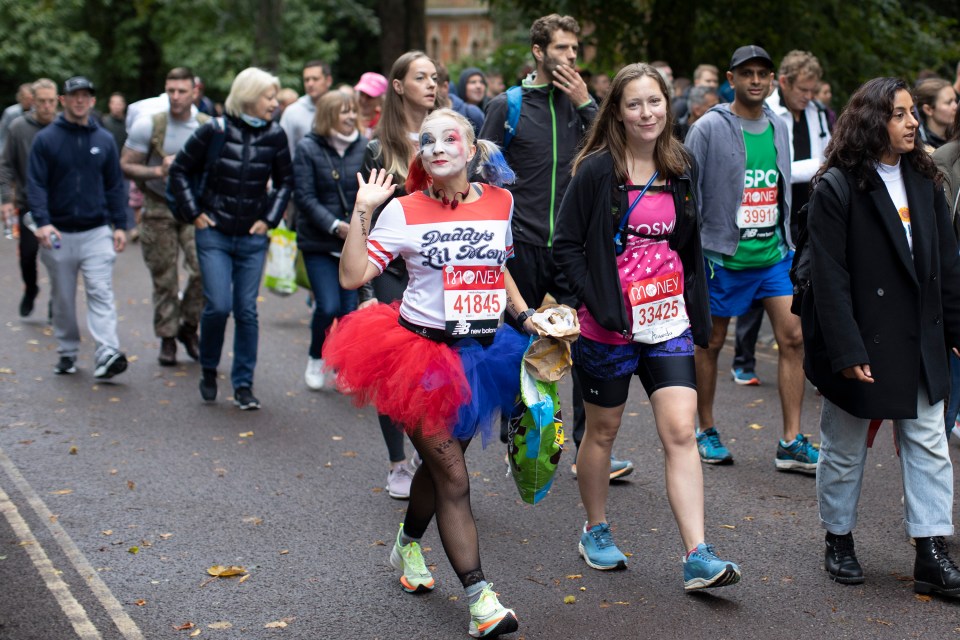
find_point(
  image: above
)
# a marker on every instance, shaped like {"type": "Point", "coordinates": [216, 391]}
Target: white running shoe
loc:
{"type": "Point", "coordinates": [313, 376]}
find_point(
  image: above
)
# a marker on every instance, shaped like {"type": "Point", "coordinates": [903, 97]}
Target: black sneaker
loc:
{"type": "Point", "coordinates": [111, 365]}
{"type": "Point", "coordinates": [243, 397]}
{"type": "Point", "coordinates": [65, 365]}
{"type": "Point", "coordinates": [208, 385]}
{"type": "Point", "coordinates": [26, 302]}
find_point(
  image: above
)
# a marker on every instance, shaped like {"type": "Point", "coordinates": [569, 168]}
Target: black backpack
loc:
{"type": "Point", "coordinates": [800, 268]}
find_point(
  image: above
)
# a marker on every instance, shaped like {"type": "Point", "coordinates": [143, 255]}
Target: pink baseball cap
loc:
{"type": "Point", "coordinates": [373, 84]}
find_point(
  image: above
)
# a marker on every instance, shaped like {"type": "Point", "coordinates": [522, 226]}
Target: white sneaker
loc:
{"type": "Point", "coordinates": [313, 376]}
{"type": "Point", "coordinates": [398, 481]}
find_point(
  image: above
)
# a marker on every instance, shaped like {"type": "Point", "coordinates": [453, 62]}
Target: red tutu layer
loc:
{"type": "Point", "coordinates": [415, 381]}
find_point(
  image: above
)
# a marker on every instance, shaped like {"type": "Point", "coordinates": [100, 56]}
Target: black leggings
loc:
{"type": "Point", "coordinates": [388, 287]}
{"type": "Point", "coordinates": [441, 487]}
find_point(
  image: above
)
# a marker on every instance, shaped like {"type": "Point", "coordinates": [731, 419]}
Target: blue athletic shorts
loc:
{"type": "Point", "coordinates": [732, 293]}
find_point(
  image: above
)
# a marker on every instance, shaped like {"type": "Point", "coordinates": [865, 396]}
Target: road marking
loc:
{"type": "Point", "coordinates": [73, 609]}
{"type": "Point", "coordinates": [125, 624]}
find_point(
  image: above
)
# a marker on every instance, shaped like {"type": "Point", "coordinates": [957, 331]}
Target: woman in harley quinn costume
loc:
{"type": "Point", "coordinates": [628, 241]}
{"type": "Point", "coordinates": [440, 364]}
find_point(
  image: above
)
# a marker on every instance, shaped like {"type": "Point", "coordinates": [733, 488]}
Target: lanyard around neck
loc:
{"type": "Point", "coordinates": [618, 239]}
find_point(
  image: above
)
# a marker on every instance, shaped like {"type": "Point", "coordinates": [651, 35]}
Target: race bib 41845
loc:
{"type": "Point", "coordinates": [473, 299]}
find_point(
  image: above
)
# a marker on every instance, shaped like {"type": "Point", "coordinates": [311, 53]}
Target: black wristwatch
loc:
{"type": "Point", "coordinates": [523, 315]}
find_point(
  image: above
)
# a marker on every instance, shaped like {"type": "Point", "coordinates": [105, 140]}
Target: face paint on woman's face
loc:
{"type": "Point", "coordinates": [443, 149]}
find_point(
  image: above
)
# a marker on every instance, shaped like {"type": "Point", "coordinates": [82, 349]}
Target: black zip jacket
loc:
{"type": "Point", "coordinates": [541, 153]}
{"type": "Point", "coordinates": [316, 195]}
{"type": "Point", "coordinates": [235, 195]}
{"type": "Point", "coordinates": [584, 250]}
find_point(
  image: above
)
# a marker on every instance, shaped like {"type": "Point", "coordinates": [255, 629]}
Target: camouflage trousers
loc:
{"type": "Point", "coordinates": [162, 239]}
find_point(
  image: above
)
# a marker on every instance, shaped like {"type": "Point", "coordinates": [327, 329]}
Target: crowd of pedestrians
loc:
{"type": "Point", "coordinates": [657, 209]}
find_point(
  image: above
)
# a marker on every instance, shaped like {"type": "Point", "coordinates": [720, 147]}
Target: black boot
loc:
{"type": "Point", "coordinates": [168, 352]}
{"type": "Point", "coordinates": [934, 571]}
{"type": "Point", "coordinates": [840, 559]}
{"type": "Point", "coordinates": [187, 334]}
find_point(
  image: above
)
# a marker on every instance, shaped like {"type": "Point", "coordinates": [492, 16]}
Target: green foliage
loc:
{"type": "Point", "coordinates": [129, 45]}
{"type": "Point", "coordinates": [38, 39]}
{"type": "Point", "coordinates": [854, 41]}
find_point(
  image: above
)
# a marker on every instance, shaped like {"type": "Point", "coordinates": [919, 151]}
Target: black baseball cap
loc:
{"type": "Point", "coordinates": [747, 53]}
{"type": "Point", "coordinates": [76, 83]}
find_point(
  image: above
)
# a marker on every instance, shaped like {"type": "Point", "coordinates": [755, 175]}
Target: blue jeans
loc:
{"type": "Point", "coordinates": [331, 301]}
{"type": "Point", "coordinates": [230, 267]}
{"type": "Point", "coordinates": [954, 407]}
{"type": "Point", "coordinates": [924, 465]}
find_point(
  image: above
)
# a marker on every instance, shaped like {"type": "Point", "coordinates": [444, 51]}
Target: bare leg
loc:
{"type": "Point", "coordinates": [593, 459]}
{"type": "Point", "coordinates": [786, 329]}
{"type": "Point", "coordinates": [674, 409]}
{"type": "Point", "coordinates": [706, 361]}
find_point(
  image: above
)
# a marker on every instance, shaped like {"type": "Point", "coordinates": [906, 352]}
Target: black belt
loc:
{"type": "Point", "coordinates": [438, 335]}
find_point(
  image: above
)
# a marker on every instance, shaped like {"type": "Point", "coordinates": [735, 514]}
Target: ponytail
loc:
{"type": "Point", "coordinates": [490, 163]}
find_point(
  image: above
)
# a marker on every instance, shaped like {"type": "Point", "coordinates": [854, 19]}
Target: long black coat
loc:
{"type": "Point", "coordinates": [872, 303]}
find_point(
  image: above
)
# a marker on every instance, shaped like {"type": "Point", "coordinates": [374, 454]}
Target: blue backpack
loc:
{"type": "Point", "coordinates": [514, 101]}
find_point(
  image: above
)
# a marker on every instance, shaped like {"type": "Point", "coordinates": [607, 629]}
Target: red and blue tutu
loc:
{"type": "Point", "coordinates": [424, 385]}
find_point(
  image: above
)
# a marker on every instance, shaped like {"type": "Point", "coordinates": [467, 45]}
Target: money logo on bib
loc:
{"type": "Point", "coordinates": [473, 300]}
{"type": "Point", "coordinates": [659, 312]}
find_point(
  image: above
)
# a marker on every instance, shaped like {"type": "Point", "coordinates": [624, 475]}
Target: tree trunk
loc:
{"type": "Point", "coordinates": [403, 26]}
{"type": "Point", "coordinates": [267, 38]}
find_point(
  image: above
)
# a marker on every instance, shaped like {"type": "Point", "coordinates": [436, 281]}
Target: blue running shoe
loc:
{"type": "Point", "coordinates": [598, 549]}
{"type": "Point", "coordinates": [711, 449]}
{"type": "Point", "coordinates": [800, 455]}
{"type": "Point", "coordinates": [702, 569]}
{"type": "Point", "coordinates": [745, 377]}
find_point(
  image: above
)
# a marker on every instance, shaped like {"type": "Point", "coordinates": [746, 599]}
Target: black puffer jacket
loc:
{"type": "Point", "coordinates": [235, 194]}
{"type": "Point", "coordinates": [316, 194]}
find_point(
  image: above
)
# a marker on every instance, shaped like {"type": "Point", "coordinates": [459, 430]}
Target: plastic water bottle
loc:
{"type": "Point", "coordinates": [31, 224]}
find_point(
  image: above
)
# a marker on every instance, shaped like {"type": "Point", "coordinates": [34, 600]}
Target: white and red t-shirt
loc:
{"type": "Point", "coordinates": [455, 259]}
{"type": "Point", "coordinates": [651, 277]}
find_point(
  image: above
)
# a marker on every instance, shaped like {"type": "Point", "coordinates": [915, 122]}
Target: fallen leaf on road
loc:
{"type": "Point", "coordinates": [284, 552]}
{"type": "Point", "coordinates": [132, 358]}
{"type": "Point", "coordinates": [186, 626]}
{"type": "Point", "coordinates": [131, 485]}
{"type": "Point", "coordinates": [6, 370]}
{"type": "Point", "coordinates": [243, 578]}
{"type": "Point", "coordinates": [195, 633]}
{"type": "Point", "coordinates": [337, 438]}
{"type": "Point", "coordinates": [569, 599]}
{"type": "Point", "coordinates": [73, 451]}
{"type": "Point", "coordinates": [107, 532]}
{"type": "Point", "coordinates": [923, 598]}
{"type": "Point", "coordinates": [26, 543]}
{"type": "Point", "coordinates": [277, 624]}
{"type": "Point", "coordinates": [140, 603]}
{"type": "Point", "coordinates": [727, 526]}
{"type": "Point", "coordinates": [61, 492]}
{"type": "Point", "coordinates": [134, 550]}
{"type": "Point", "coordinates": [245, 434]}
{"type": "Point", "coordinates": [114, 399]}
{"type": "Point", "coordinates": [219, 571]}
{"type": "Point", "coordinates": [756, 427]}
{"type": "Point", "coordinates": [252, 520]}
{"type": "Point", "coordinates": [54, 517]}
{"type": "Point", "coordinates": [220, 625]}
{"type": "Point", "coordinates": [349, 454]}
{"type": "Point", "coordinates": [165, 536]}
{"type": "Point", "coordinates": [574, 576]}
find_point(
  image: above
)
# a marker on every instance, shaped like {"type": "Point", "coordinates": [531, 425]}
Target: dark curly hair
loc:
{"type": "Point", "coordinates": [860, 136]}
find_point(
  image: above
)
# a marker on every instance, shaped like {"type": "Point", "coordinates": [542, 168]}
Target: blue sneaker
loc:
{"type": "Point", "coordinates": [711, 449]}
{"type": "Point", "coordinates": [599, 550]}
{"type": "Point", "coordinates": [702, 569]}
{"type": "Point", "coordinates": [745, 377]}
{"type": "Point", "coordinates": [800, 455]}
{"type": "Point", "coordinates": [618, 468]}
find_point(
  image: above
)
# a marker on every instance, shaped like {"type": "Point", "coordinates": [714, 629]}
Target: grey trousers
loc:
{"type": "Point", "coordinates": [924, 464]}
{"type": "Point", "coordinates": [89, 254]}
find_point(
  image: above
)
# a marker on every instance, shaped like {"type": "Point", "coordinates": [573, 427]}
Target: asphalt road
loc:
{"type": "Point", "coordinates": [117, 497]}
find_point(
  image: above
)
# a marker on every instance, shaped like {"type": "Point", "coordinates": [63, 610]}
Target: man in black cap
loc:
{"type": "Point", "coordinates": [78, 198]}
{"type": "Point", "coordinates": [743, 153]}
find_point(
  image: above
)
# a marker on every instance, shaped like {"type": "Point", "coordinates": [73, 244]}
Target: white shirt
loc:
{"type": "Point", "coordinates": [893, 180]}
